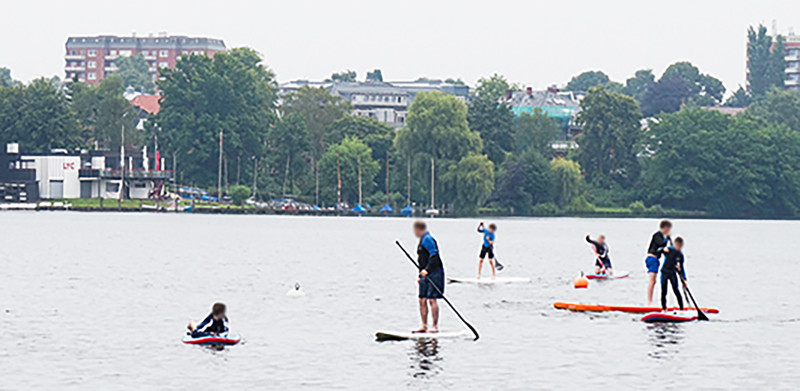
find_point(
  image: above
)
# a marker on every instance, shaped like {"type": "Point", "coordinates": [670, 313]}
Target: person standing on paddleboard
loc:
{"type": "Point", "coordinates": [431, 277]}
{"type": "Point", "coordinates": [673, 263]}
{"type": "Point", "coordinates": [488, 247]}
{"type": "Point", "coordinates": [658, 246]}
{"type": "Point", "coordinates": [603, 262]}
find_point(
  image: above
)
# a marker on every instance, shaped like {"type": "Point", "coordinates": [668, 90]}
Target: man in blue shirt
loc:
{"type": "Point", "coordinates": [488, 247]}
{"type": "Point", "coordinates": [431, 277]}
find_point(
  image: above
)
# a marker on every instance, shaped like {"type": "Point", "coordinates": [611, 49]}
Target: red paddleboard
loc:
{"type": "Point", "coordinates": [670, 317]}
{"type": "Point", "coordinates": [621, 308]}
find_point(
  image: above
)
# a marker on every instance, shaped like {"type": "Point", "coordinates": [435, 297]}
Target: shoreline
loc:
{"type": "Point", "coordinates": [133, 206]}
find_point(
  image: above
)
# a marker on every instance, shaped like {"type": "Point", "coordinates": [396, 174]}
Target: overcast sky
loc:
{"type": "Point", "coordinates": [534, 43]}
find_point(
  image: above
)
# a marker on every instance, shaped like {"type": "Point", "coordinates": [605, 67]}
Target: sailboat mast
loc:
{"type": "Point", "coordinates": [359, 179]}
{"type": "Point", "coordinates": [433, 183]}
{"type": "Point", "coordinates": [338, 182]}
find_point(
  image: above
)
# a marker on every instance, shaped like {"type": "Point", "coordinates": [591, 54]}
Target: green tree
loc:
{"type": "Point", "coordinates": [637, 85]}
{"type": "Point", "coordinates": [111, 113]}
{"type": "Point", "coordinates": [231, 92]}
{"type": "Point", "coordinates": [493, 88]}
{"type": "Point", "coordinates": [493, 120]}
{"type": "Point", "coordinates": [436, 127]}
{"type": "Point", "coordinates": [375, 75]}
{"type": "Point", "coordinates": [608, 143]}
{"type": "Point", "coordinates": [780, 107]}
{"type": "Point", "coordinates": [587, 80]}
{"type": "Point", "coordinates": [740, 98]}
{"type": "Point", "coordinates": [535, 132]}
{"type": "Point", "coordinates": [765, 61]}
{"type": "Point", "coordinates": [135, 72]}
{"type": "Point", "coordinates": [666, 96]}
{"type": "Point", "coordinates": [377, 135]}
{"type": "Point", "coordinates": [348, 154]}
{"type": "Point", "coordinates": [344, 76]}
{"type": "Point", "coordinates": [473, 178]}
{"type": "Point", "coordinates": [37, 116]}
{"type": "Point", "coordinates": [523, 181]}
{"type": "Point", "coordinates": [704, 90]}
{"type": "Point", "coordinates": [289, 146]}
{"type": "Point", "coordinates": [319, 109]}
{"type": "Point", "coordinates": [5, 78]}
{"type": "Point", "coordinates": [567, 181]}
{"type": "Point", "coordinates": [239, 194]}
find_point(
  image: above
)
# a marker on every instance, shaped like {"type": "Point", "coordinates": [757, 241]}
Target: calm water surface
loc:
{"type": "Point", "coordinates": [100, 301]}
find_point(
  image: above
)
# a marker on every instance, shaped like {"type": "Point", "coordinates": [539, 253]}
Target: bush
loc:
{"type": "Point", "coordinates": [655, 210]}
{"type": "Point", "coordinates": [580, 205]}
{"type": "Point", "coordinates": [545, 209]}
{"type": "Point", "coordinates": [637, 207]}
{"type": "Point", "coordinates": [239, 193]}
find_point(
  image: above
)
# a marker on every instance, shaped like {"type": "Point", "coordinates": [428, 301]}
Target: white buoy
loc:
{"type": "Point", "coordinates": [295, 292]}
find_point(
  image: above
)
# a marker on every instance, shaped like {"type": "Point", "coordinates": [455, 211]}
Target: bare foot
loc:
{"type": "Point", "coordinates": [433, 330]}
{"type": "Point", "coordinates": [423, 329]}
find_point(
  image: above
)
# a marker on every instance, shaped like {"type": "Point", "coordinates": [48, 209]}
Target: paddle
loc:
{"type": "Point", "coordinates": [439, 291]}
{"type": "Point", "coordinates": [497, 265]}
{"type": "Point", "coordinates": [700, 314]}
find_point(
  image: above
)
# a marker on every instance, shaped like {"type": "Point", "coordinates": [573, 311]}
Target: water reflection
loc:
{"type": "Point", "coordinates": [666, 339]}
{"type": "Point", "coordinates": [424, 358]}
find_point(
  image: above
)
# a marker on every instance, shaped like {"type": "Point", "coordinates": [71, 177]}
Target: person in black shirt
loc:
{"type": "Point", "coordinates": [658, 246]}
{"type": "Point", "coordinates": [214, 324]}
{"type": "Point", "coordinates": [431, 277]}
{"type": "Point", "coordinates": [603, 262]}
{"type": "Point", "coordinates": [673, 264]}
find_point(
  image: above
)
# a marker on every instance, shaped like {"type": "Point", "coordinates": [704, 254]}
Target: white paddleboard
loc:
{"type": "Point", "coordinates": [489, 280]}
{"type": "Point", "coordinates": [408, 335]}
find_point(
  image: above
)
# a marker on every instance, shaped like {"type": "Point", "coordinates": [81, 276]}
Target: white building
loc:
{"type": "Point", "coordinates": [88, 174]}
{"type": "Point", "coordinates": [386, 102]}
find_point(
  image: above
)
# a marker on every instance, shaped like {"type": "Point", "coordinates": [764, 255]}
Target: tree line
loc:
{"type": "Point", "coordinates": [645, 145]}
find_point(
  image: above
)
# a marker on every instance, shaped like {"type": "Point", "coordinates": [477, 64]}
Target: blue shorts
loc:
{"type": "Point", "coordinates": [652, 264]}
{"type": "Point", "coordinates": [426, 285]}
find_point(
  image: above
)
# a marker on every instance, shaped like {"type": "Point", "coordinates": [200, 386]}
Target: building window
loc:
{"type": "Point", "coordinates": [91, 76]}
{"type": "Point", "coordinates": [793, 52]}
{"type": "Point", "coordinates": [793, 65]}
{"type": "Point", "coordinates": [163, 53]}
{"type": "Point", "coordinates": [112, 187]}
{"type": "Point", "coordinates": [92, 53]}
{"type": "Point", "coordinates": [113, 52]}
{"type": "Point", "coordinates": [73, 52]}
{"type": "Point", "coordinates": [163, 65]}
{"type": "Point", "coordinates": [92, 64]}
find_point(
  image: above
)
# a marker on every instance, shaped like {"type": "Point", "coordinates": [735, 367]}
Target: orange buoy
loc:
{"type": "Point", "coordinates": [581, 282]}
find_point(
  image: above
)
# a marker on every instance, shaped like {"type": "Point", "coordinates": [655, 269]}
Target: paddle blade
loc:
{"type": "Point", "coordinates": [498, 265]}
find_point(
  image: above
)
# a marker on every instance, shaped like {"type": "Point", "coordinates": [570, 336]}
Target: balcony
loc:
{"type": "Point", "coordinates": [111, 68]}
{"type": "Point", "coordinates": [111, 57]}
{"type": "Point", "coordinates": [793, 82]}
{"type": "Point", "coordinates": [74, 57]}
{"type": "Point", "coordinates": [150, 58]}
{"type": "Point", "coordinates": [77, 68]}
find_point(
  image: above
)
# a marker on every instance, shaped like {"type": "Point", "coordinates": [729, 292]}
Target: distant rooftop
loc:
{"type": "Point", "coordinates": [151, 41]}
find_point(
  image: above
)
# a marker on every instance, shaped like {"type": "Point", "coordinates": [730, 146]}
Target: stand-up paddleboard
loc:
{"type": "Point", "coordinates": [621, 308]}
{"type": "Point", "coordinates": [616, 276]}
{"type": "Point", "coordinates": [489, 280]}
{"type": "Point", "coordinates": [381, 336]}
{"type": "Point", "coordinates": [221, 339]}
{"type": "Point", "coordinates": [670, 317]}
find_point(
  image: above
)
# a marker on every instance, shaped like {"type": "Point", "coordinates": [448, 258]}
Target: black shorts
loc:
{"type": "Point", "coordinates": [606, 263]}
{"type": "Point", "coordinates": [487, 251]}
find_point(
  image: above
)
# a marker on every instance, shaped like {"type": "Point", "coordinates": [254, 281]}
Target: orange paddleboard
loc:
{"type": "Point", "coordinates": [622, 308]}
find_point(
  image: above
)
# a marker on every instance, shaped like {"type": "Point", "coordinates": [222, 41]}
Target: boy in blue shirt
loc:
{"type": "Point", "coordinates": [488, 247]}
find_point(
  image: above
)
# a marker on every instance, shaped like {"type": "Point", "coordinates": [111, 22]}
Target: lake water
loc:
{"type": "Point", "coordinates": [100, 301]}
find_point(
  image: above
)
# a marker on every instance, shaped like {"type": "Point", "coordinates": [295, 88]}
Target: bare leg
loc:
{"type": "Point", "coordinates": [491, 263]}
{"type": "Point", "coordinates": [651, 284]}
{"type": "Point", "coordinates": [434, 314]}
{"type": "Point", "coordinates": [423, 313]}
{"type": "Point", "coordinates": [610, 272]}
{"type": "Point", "coordinates": [480, 267]}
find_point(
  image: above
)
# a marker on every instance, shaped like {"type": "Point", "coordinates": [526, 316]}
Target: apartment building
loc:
{"type": "Point", "coordinates": [91, 59]}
